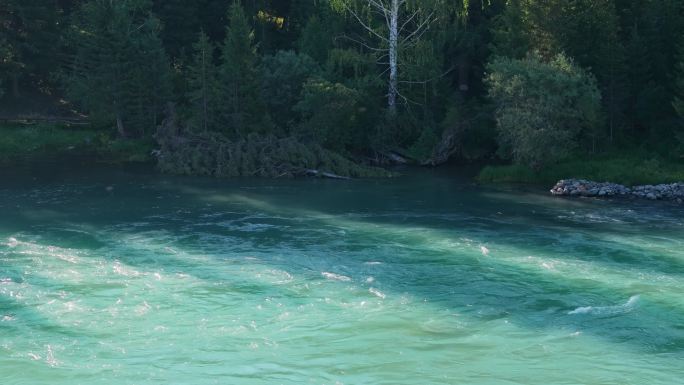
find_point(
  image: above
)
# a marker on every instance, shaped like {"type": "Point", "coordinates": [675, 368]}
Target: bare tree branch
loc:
{"type": "Point", "coordinates": [362, 43]}
{"type": "Point", "coordinates": [364, 25]}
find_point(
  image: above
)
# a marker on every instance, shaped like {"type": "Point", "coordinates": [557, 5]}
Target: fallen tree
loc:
{"type": "Point", "coordinates": [210, 153]}
{"type": "Point", "coordinates": [446, 147]}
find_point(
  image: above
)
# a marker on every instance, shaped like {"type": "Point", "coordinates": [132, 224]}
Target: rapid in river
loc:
{"type": "Point", "coordinates": [130, 277]}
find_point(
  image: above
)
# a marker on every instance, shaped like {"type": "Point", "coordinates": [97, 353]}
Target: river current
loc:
{"type": "Point", "coordinates": [129, 277]}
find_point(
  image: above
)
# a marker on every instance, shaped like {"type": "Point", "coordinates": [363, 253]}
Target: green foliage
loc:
{"type": "Point", "coordinates": [5, 59]}
{"type": "Point", "coordinates": [120, 151]}
{"type": "Point", "coordinates": [541, 108]}
{"type": "Point", "coordinates": [509, 32]}
{"type": "Point", "coordinates": [241, 111]}
{"type": "Point", "coordinates": [282, 80]}
{"type": "Point", "coordinates": [331, 113]}
{"type": "Point", "coordinates": [203, 86]}
{"type": "Point", "coordinates": [315, 40]}
{"type": "Point", "coordinates": [472, 125]}
{"type": "Point", "coordinates": [28, 35]}
{"type": "Point", "coordinates": [678, 100]}
{"type": "Point", "coordinates": [625, 169]}
{"type": "Point", "coordinates": [120, 72]}
{"type": "Point", "coordinates": [352, 67]}
{"type": "Point", "coordinates": [37, 142]}
{"type": "Point", "coordinates": [423, 146]}
{"type": "Point", "coordinates": [241, 76]}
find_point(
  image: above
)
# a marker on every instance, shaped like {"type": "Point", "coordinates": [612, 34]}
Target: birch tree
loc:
{"type": "Point", "coordinates": [390, 26]}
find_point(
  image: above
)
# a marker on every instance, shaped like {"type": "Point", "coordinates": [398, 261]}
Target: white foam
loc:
{"type": "Point", "coordinates": [607, 310]}
{"type": "Point", "coordinates": [120, 269]}
{"type": "Point", "coordinates": [12, 242]}
{"type": "Point", "coordinates": [336, 277]}
{"type": "Point", "coordinates": [50, 357]}
{"type": "Point", "coordinates": [582, 310]}
{"type": "Point", "coordinates": [484, 250]}
{"type": "Point", "coordinates": [377, 293]}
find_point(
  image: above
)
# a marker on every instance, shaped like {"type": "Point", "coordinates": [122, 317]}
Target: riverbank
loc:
{"type": "Point", "coordinates": [586, 188]}
{"type": "Point", "coordinates": [629, 170]}
{"type": "Point", "coordinates": [43, 141]}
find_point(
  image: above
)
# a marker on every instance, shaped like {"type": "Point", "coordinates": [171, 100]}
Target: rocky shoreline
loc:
{"type": "Point", "coordinates": [586, 188]}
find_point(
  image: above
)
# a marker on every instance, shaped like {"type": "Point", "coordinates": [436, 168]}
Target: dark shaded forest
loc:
{"type": "Point", "coordinates": [290, 87]}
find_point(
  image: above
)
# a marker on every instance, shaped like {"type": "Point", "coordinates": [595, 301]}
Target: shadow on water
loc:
{"type": "Point", "coordinates": [228, 220]}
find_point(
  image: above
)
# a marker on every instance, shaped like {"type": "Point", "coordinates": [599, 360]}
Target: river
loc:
{"type": "Point", "coordinates": [112, 276]}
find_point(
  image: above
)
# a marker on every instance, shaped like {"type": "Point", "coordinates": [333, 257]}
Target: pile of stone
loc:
{"type": "Point", "coordinates": [587, 188]}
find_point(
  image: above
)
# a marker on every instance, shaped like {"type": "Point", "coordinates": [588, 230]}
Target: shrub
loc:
{"type": "Point", "coordinates": [331, 113]}
{"type": "Point", "coordinates": [541, 107]}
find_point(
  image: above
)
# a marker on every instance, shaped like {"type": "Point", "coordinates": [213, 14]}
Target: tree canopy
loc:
{"type": "Point", "coordinates": [364, 78]}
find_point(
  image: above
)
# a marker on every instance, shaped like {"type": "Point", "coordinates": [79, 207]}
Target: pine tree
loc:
{"type": "Point", "coordinates": [315, 40]}
{"type": "Point", "coordinates": [5, 57]}
{"type": "Point", "coordinates": [643, 86]}
{"type": "Point", "coordinates": [181, 23]}
{"type": "Point", "coordinates": [240, 111]}
{"type": "Point", "coordinates": [678, 102]}
{"type": "Point", "coordinates": [119, 72]}
{"type": "Point", "coordinates": [27, 40]}
{"type": "Point", "coordinates": [678, 98]}
{"type": "Point", "coordinates": [509, 32]}
{"type": "Point", "coordinates": [203, 84]}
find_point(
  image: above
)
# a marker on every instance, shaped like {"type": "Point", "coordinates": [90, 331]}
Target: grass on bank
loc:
{"type": "Point", "coordinates": [629, 170]}
{"type": "Point", "coordinates": [40, 141]}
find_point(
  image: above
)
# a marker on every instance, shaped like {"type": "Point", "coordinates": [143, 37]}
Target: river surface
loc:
{"type": "Point", "coordinates": [128, 277]}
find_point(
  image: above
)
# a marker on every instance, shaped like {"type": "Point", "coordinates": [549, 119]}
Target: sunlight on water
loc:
{"type": "Point", "coordinates": [170, 280]}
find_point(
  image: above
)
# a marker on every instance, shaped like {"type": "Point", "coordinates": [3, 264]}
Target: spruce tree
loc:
{"type": "Point", "coordinates": [315, 40]}
{"type": "Point", "coordinates": [678, 101]}
{"type": "Point", "coordinates": [27, 40]}
{"type": "Point", "coordinates": [241, 111]}
{"type": "Point", "coordinates": [5, 52]}
{"type": "Point", "coordinates": [510, 32]}
{"type": "Point", "coordinates": [203, 85]}
{"type": "Point", "coordinates": [119, 72]}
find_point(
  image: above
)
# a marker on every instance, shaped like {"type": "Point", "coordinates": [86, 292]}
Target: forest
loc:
{"type": "Point", "coordinates": [344, 87]}
{"type": "Point", "coordinates": [380, 192]}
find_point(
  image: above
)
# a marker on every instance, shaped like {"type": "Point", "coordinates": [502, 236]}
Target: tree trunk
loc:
{"type": "Point", "coordinates": [120, 126]}
{"type": "Point", "coordinates": [393, 57]}
{"type": "Point", "coordinates": [205, 113]}
{"type": "Point", "coordinates": [463, 73]}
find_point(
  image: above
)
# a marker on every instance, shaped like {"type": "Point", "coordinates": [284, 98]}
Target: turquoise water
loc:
{"type": "Point", "coordinates": [116, 277]}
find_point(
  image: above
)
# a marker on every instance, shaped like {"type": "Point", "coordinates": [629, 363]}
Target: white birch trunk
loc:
{"type": "Point", "coordinates": [393, 58]}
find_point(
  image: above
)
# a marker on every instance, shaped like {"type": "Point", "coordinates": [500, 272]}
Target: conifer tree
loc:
{"type": "Point", "coordinates": [315, 40]}
{"type": "Point", "coordinates": [119, 72]}
{"type": "Point", "coordinates": [27, 40]}
{"type": "Point", "coordinates": [678, 101]}
{"type": "Point", "coordinates": [203, 85]}
{"type": "Point", "coordinates": [510, 32]}
{"type": "Point", "coordinates": [240, 110]}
